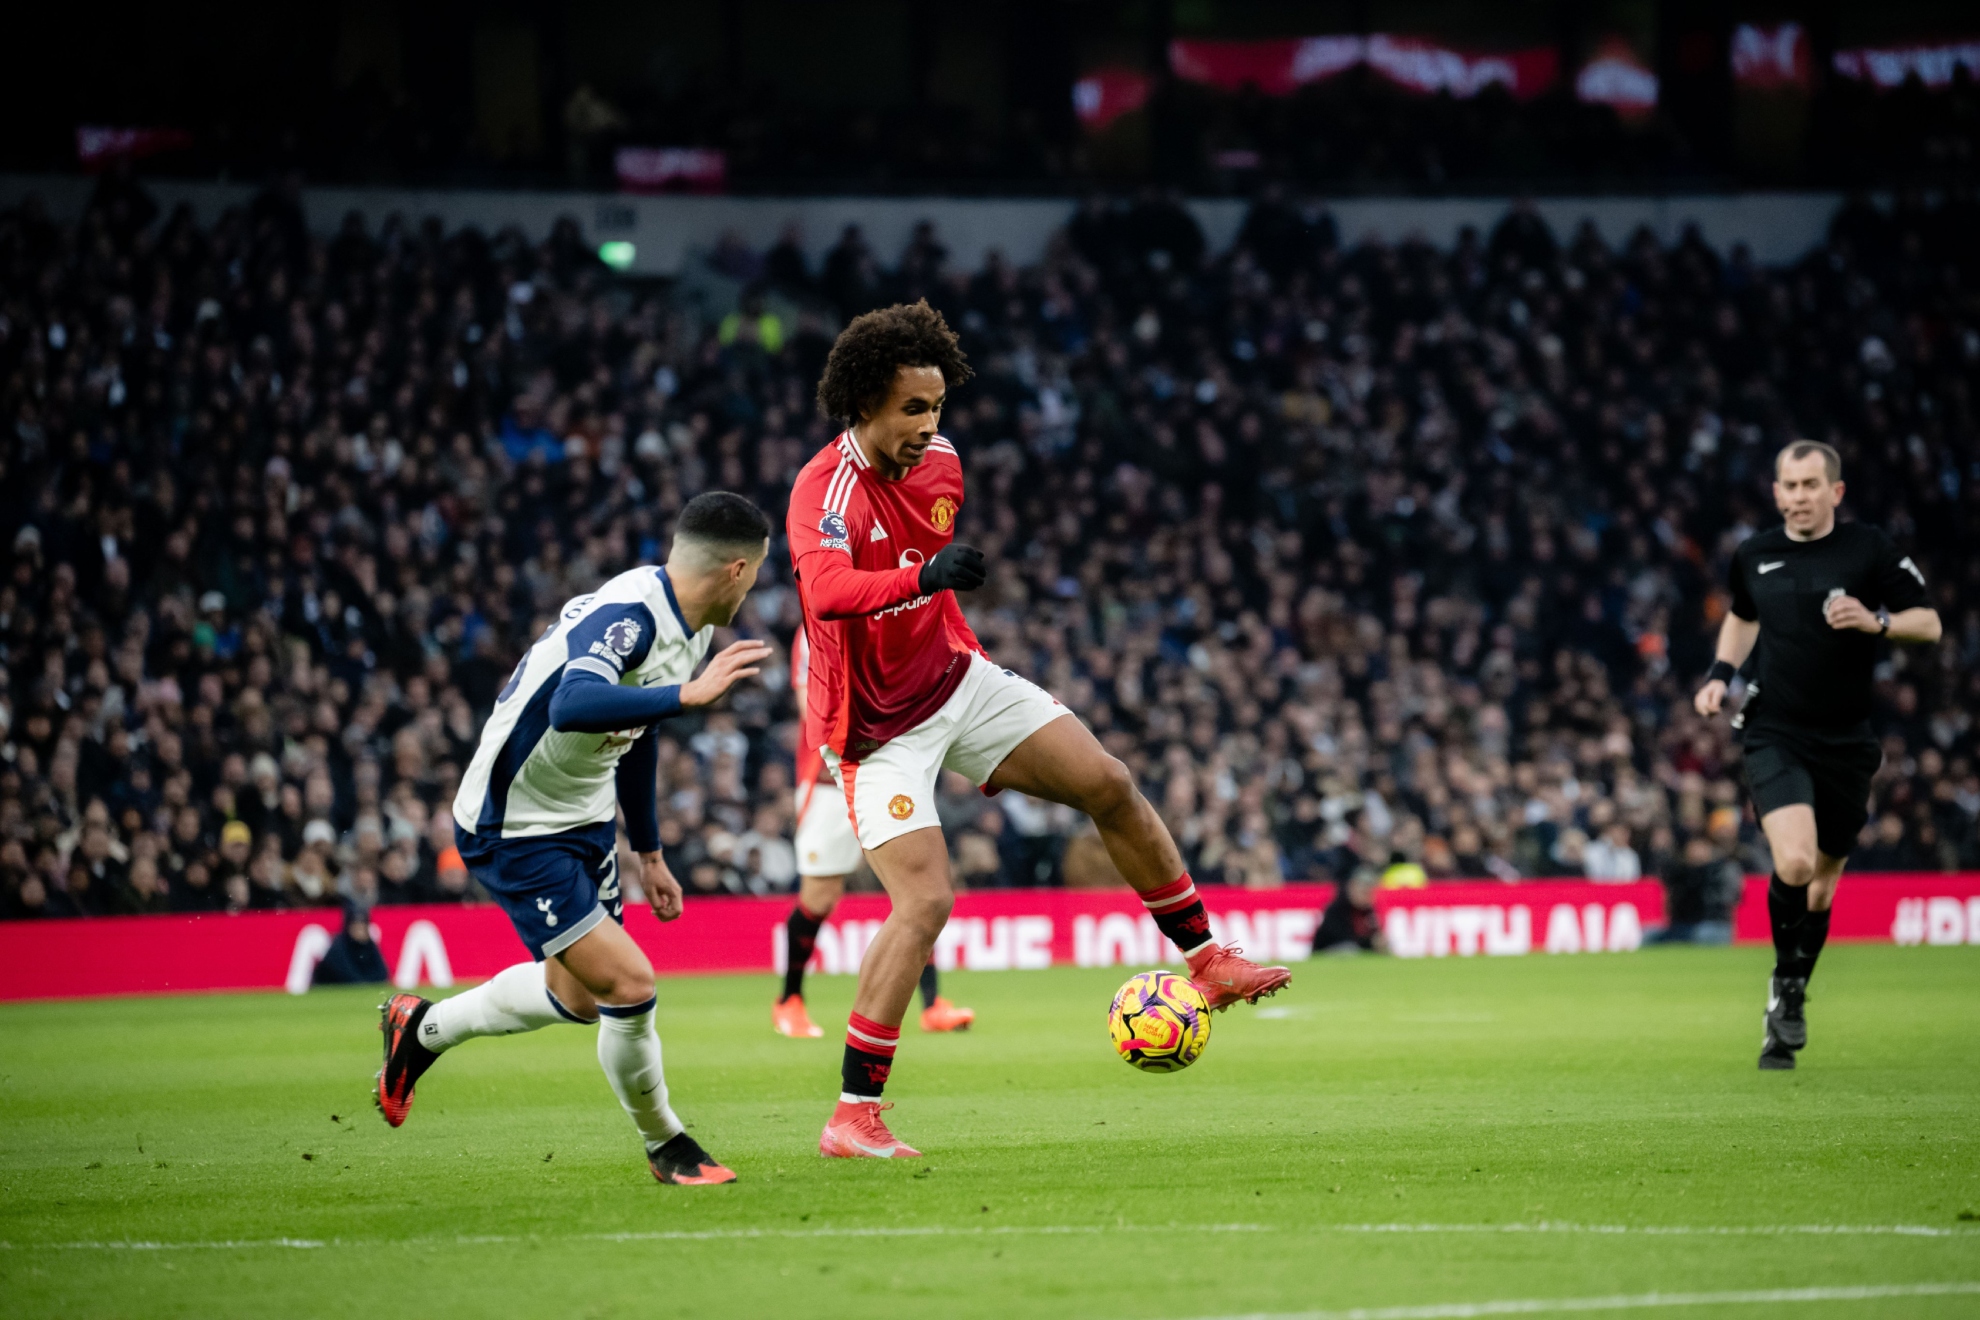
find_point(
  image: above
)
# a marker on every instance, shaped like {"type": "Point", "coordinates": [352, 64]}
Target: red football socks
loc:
{"type": "Point", "coordinates": [869, 1058]}
{"type": "Point", "coordinates": [1180, 913]}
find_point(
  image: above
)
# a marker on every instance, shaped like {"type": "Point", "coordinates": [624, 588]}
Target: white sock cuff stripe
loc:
{"type": "Point", "coordinates": [885, 1043]}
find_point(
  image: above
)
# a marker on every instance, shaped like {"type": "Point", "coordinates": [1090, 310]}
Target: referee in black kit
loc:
{"type": "Point", "coordinates": [1814, 596]}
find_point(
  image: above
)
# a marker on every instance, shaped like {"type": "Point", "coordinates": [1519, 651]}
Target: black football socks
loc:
{"type": "Point", "coordinates": [800, 938]}
{"type": "Point", "coordinates": [1799, 934]}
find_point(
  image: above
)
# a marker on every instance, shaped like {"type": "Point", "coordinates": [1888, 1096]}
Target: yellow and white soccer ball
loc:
{"type": "Point", "coordinates": [1160, 1022]}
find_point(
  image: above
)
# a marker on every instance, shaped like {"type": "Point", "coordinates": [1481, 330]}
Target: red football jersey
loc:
{"type": "Point", "coordinates": [811, 729]}
{"type": "Point", "coordinates": [858, 542]}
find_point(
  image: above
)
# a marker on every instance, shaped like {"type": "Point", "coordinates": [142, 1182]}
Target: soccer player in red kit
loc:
{"type": "Point", "coordinates": [910, 692]}
{"type": "Point", "coordinates": [827, 853]}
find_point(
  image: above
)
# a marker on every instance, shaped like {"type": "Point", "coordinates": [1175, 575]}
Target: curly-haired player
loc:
{"type": "Point", "coordinates": [909, 691]}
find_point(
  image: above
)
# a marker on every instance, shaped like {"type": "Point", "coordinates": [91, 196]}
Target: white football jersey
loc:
{"type": "Point", "coordinates": [528, 779]}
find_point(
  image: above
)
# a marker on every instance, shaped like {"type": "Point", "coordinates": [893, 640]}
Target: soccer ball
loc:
{"type": "Point", "coordinates": [1160, 1022]}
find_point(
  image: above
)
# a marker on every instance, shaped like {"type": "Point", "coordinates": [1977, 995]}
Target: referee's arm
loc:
{"type": "Point", "coordinates": [1903, 616]}
{"type": "Point", "coordinates": [1736, 639]}
{"type": "Point", "coordinates": [1918, 624]}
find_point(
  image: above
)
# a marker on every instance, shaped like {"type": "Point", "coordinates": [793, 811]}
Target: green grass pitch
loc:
{"type": "Point", "coordinates": [1384, 1135]}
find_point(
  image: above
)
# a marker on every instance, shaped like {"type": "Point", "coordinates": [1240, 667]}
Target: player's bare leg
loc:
{"type": "Point", "coordinates": [1799, 897]}
{"type": "Point", "coordinates": [608, 970]}
{"type": "Point", "coordinates": [914, 870]}
{"type": "Point", "coordinates": [817, 896]}
{"type": "Point", "coordinates": [1064, 762]}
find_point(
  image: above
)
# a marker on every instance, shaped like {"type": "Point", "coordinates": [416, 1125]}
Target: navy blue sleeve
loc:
{"type": "Point", "coordinates": [638, 779]}
{"type": "Point", "coordinates": [587, 703]}
{"type": "Point", "coordinates": [612, 640]}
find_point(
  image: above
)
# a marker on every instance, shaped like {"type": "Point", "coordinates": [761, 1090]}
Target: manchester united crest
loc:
{"type": "Point", "coordinates": [943, 515]}
{"type": "Point", "coordinates": [901, 807]}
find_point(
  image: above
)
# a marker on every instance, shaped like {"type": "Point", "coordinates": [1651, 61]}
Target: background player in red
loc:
{"type": "Point", "coordinates": [827, 853]}
{"type": "Point", "coordinates": [910, 692]}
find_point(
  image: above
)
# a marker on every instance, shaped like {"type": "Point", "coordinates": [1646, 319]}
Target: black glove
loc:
{"type": "Point", "coordinates": [957, 568]}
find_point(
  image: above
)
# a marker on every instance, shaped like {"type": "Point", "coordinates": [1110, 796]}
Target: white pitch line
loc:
{"type": "Point", "coordinates": [990, 1230]}
{"type": "Point", "coordinates": [1669, 1230]}
{"type": "Point", "coordinates": [656, 1235]}
{"type": "Point", "coordinates": [1634, 1302]}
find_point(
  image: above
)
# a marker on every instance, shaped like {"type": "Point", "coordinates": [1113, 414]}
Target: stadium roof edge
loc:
{"type": "Point", "coordinates": [666, 230]}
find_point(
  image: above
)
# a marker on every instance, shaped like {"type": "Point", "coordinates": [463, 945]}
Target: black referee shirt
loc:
{"type": "Point", "coordinates": [1804, 673]}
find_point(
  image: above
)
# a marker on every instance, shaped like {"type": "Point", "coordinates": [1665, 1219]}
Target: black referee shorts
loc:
{"type": "Point", "coordinates": [1830, 773]}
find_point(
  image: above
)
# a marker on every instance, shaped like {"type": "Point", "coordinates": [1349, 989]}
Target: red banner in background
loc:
{"type": "Point", "coordinates": [1280, 67]}
{"type": "Point", "coordinates": [1006, 930]}
{"type": "Point", "coordinates": [1888, 67]}
{"type": "Point", "coordinates": [99, 144]}
{"type": "Point", "coordinates": [1276, 68]}
{"type": "Point", "coordinates": [1104, 95]}
{"type": "Point", "coordinates": [1771, 57]}
{"type": "Point", "coordinates": [1620, 77]}
{"type": "Point", "coordinates": [1425, 66]}
{"type": "Point", "coordinates": [671, 169]}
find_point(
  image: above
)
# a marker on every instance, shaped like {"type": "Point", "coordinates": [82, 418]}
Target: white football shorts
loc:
{"type": "Point", "coordinates": [892, 790]}
{"type": "Point", "coordinates": [825, 843]}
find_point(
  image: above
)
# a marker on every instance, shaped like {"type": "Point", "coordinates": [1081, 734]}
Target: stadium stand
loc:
{"type": "Point", "coordinates": [1357, 555]}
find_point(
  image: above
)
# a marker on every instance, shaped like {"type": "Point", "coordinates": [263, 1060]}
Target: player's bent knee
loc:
{"type": "Point", "coordinates": [629, 987]}
{"type": "Point", "coordinates": [927, 912]}
{"type": "Point", "coordinates": [1112, 794]}
{"type": "Point", "coordinates": [1794, 867]}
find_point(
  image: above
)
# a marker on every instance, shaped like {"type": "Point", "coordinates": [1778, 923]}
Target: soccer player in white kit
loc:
{"type": "Point", "coordinates": [572, 738]}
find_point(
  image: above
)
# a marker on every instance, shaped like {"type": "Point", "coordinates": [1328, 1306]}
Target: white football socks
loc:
{"type": "Point", "coordinates": [629, 1052]}
{"type": "Point", "coordinates": [515, 999]}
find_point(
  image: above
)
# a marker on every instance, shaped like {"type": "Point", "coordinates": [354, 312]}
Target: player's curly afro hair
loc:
{"type": "Point", "coordinates": [859, 372]}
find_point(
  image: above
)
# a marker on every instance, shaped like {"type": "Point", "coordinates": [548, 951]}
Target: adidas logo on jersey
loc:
{"type": "Point", "coordinates": [878, 533]}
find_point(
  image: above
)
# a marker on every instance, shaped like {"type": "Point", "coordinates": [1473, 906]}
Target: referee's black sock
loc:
{"type": "Point", "coordinates": [1787, 907]}
{"type": "Point", "coordinates": [1809, 939]}
{"type": "Point", "coordinates": [931, 986]}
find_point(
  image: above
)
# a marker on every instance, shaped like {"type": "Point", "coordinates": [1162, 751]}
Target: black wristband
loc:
{"type": "Point", "coordinates": [1721, 672]}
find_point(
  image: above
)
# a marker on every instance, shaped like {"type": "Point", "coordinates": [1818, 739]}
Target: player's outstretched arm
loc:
{"type": "Point", "coordinates": [729, 667]}
{"type": "Point", "coordinates": [1736, 639]}
{"type": "Point", "coordinates": [585, 702]}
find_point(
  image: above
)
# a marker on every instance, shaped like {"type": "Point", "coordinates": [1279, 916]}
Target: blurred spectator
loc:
{"type": "Point", "coordinates": [1890, 847]}
{"type": "Point", "coordinates": [353, 957]}
{"type": "Point", "coordinates": [1350, 923]}
{"type": "Point", "coordinates": [1610, 858]}
{"type": "Point", "coordinates": [453, 883]}
{"type": "Point", "coordinates": [1700, 893]}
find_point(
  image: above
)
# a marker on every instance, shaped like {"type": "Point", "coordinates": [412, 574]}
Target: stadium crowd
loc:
{"type": "Point", "coordinates": [1362, 556]}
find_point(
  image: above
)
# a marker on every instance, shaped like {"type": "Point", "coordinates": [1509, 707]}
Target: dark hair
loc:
{"type": "Point", "coordinates": [723, 518]}
{"type": "Point", "coordinates": [860, 370]}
